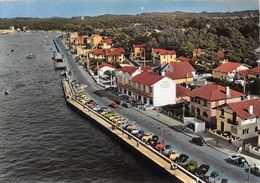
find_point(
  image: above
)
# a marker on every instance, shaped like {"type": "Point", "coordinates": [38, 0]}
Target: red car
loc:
{"type": "Point", "coordinates": [92, 104]}
{"type": "Point", "coordinates": [114, 105]}
{"type": "Point", "coordinates": [160, 145]}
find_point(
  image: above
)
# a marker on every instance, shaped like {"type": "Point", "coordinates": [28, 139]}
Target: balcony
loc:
{"type": "Point", "coordinates": [134, 90]}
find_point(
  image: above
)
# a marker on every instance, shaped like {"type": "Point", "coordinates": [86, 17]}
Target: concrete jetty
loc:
{"type": "Point", "coordinates": [136, 144]}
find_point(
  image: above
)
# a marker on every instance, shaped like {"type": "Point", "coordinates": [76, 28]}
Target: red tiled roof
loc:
{"type": "Point", "coordinates": [181, 58]}
{"type": "Point", "coordinates": [108, 41]}
{"type": "Point", "coordinates": [146, 69]}
{"type": "Point", "coordinates": [244, 73]}
{"type": "Point", "coordinates": [139, 46]}
{"type": "Point", "coordinates": [97, 51]}
{"type": "Point", "coordinates": [241, 108]}
{"type": "Point", "coordinates": [227, 67]}
{"type": "Point", "coordinates": [213, 92]}
{"type": "Point", "coordinates": [181, 91]}
{"type": "Point", "coordinates": [147, 78]}
{"type": "Point", "coordinates": [178, 75]}
{"type": "Point", "coordinates": [106, 65]}
{"type": "Point", "coordinates": [128, 69]}
{"type": "Point", "coordinates": [255, 70]}
{"type": "Point", "coordinates": [180, 70]}
{"type": "Point", "coordinates": [163, 51]}
{"type": "Point", "coordinates": [114, 51]}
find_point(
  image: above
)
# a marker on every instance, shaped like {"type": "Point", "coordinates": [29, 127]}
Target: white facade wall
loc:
{"type": "Point", "coordinates": [104, 69]}
{"type": "Point", "coordinates": [164, 92]}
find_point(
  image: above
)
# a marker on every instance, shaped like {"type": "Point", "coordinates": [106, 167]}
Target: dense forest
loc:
{"type": "Point", "coordinates": [237, 33]}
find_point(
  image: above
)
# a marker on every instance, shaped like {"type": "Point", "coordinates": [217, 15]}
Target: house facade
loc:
{"type": "Point", "coordinates": [254, 73]}
{"type": "Point", "coordinates": [180, 72]}
{"type": "Point", "coordinates": [103, 68]}
{"type": "Point", "coordinates": [138, 52]}
{"type": "Point", "coordinates": [95, 40]}
{"type": "Point", "coordinates": [241, 119]}
{"type": "Point", "coordinates": [228, 70]}
{"type": "Point", "coordinates": [205, 99]}
{"type": "Point", "coordinates": [163, 56]}
{"type": "Point", "coordinates": [145, 87]}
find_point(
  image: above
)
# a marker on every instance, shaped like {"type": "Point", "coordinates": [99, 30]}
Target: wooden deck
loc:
{"type": "Point", "coordinates": [123, 135]}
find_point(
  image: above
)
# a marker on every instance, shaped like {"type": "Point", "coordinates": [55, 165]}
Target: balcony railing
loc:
{"type": "Point", "coordinates": [134, 90]}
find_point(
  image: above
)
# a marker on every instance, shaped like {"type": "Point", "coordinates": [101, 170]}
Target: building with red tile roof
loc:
{"type": "Point", "coordinates": [147, 78]}
{"type": "Point", "coordinates": [103, 68]}
{"type": "Point", "coordinates": [109, 54]}
{"type": "Point", "coordinates": [145, 87]}
{"type": "Point", "coordinates": [181, 72]}
{"type": "Point", "coordinates": [163, 56]}
{"type": "Point", "coordinates": [138, 52]}
{"type": "Point", "coordinates": [241, 119]}
{"type": "Point", "coordinates": [227, 71]}
{"type": "Point", "coordinates": [254, 73]}
{"type": "Point", "coordinates": [107, 43]}
{"type": "Point", "coordinates": [181, 93]}
{"type": "Point", "coordinates": [205, 99]}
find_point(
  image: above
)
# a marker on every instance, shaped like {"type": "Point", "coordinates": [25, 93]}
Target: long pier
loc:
{"type": "Point", "coordinates": [157, 158]}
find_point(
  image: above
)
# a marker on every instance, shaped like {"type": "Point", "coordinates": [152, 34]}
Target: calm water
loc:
{"type": "Point", "coordinates": [41, 138]}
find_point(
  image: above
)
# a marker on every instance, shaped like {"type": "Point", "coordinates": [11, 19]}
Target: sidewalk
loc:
{"type": "Point", "coordinates": [211, 141]}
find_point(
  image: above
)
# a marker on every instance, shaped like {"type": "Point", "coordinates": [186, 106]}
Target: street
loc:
{"type": "Point", "coordinates": [178, 140]}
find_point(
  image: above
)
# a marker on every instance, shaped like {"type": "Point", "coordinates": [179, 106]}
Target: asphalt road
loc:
{"type": "Point", "coordinates": [179, 141]}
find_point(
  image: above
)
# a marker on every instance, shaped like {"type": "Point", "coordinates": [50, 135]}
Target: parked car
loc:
{"type": "Point", "coordinates": [131, 127]}
{"type": "Point", "coordinates": [182, 159]}
{"type": "Point", "coordinates": [126, 105]}
{"type": "Point", "coordinates": [97, 107]}
{"type": "Point", "coordinates": [140, 134]}
{"type": "Point", "coordinates": [202, 170]}
{"type": "Point", "coordinates": [167, 150]}
{"type": "Point", "coordinates": [146, 137]}
{"type": "Point", "coordinates": [92, 104]}
{"type": "Point", "coordinates": [109, 114]}
{"type": "Point", "coordinates": [214, 176]}
{"type": "Point", "coordinates": [198, 141]}
{"type": "Point", "coordinates": [255, 171]}
{"type": "Point", "coordinates": [237, 160]}
{"type": "Point", "coordinates": [160, 145]}
{"type": "Point", "coordinates": [174, 156]}
{"type": "Point", "coordinates": [114, 105]}
{"type": "Point", "coordinates": [153, 140]}
{"type": "Point", "coordinates": [135, 131]}
{"type": "Point", "coordinates": [192, 166]}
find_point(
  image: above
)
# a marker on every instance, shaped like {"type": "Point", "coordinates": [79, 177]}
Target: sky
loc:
{"type": "Point", "coordinates": [70, 8]}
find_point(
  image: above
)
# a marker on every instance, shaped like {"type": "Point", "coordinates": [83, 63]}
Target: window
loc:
{"type": "Point", "coordinates": [222, 112]}
{"type": "Point", "coordinates": [205, 102]}
{"type": "Point", "coordinates": [198, 112]}
{"type": "Point", "coordinates": [256, 129]}
{"type": "Point", "coordinates": [205, 114]}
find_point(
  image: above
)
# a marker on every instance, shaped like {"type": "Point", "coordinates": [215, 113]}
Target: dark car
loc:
{"type": "Point", "coordinates": [126, 105]}
{"type": "Point", "coordinates": [114, 105]}
{"type": "Point", "coordinates": [237, 160]}
{"type": "Point", "coordinates": [198, 141]}
{"type": "Point", "coordinates": [140, 134]}
{"type": "Point", "coordinates": [202, 170]}
{"type": "Point", "coordinates": [154, 140]}
{"type": "Point", "coordinates": [182, 159]}
{"type": "Point", "coordinates": [255, 171]}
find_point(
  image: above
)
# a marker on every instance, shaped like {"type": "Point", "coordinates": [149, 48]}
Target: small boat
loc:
{"type": "Point", "coordinates": [62, 73]}
{"type": "Point", "coordinates": [12, 50]}
{"type": "Point", "coordinates": [30, 56]}
{"type": "Point", "coordinates": [7, 92]}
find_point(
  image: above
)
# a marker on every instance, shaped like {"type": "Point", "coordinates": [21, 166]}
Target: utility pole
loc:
{"type": "Point", "coordinates": [183, 113]}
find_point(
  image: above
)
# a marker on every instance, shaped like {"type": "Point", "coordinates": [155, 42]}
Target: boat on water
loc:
{"type": "Point", "coordinates": [7, 92]}
{"type": "Point", "coordinates": [30, 56]}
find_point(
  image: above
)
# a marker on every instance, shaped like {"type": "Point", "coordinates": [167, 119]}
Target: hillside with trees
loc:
{"type": "Point", "coordinates": [236, 34]}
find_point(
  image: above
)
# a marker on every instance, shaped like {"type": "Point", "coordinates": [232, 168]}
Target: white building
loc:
{"type": "Point", "coordinates": [145, 87]}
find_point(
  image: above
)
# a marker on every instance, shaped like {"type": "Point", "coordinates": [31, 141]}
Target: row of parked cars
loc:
{"type": "Point", "coordinates": [167, 150]}
{"type": "Point", "coordinates": [153, 140]}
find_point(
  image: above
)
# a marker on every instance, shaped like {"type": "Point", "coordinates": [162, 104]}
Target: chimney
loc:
{"type": "Point", "coordinates": [163, 73]}
{"type": "Point", "coordinates": [227, 91]}
{"type": "Point", "coordinates": [251, 110]}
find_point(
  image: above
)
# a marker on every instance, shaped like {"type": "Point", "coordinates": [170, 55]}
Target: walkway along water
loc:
{"type": "Point", "coordinates": [161, 161]}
